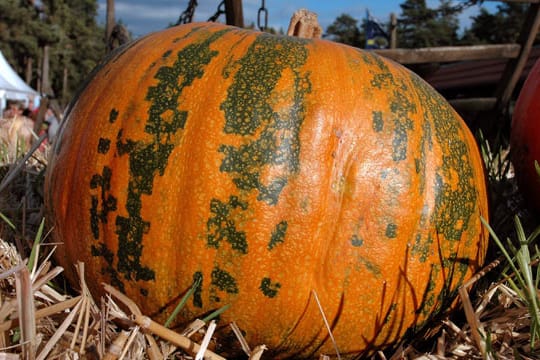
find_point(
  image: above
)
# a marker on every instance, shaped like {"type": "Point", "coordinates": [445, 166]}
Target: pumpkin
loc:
{"type": "Point", "coordinates": [275, 173]}
{"type": "Point", "coordinates": [525, 136]}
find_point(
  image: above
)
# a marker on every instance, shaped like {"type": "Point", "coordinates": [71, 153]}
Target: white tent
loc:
{"type": "Point", "coordinates": [12, 87]}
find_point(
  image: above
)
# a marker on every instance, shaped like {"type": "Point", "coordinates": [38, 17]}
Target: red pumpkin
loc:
{"type": "Point", "coordinates": [269, 168]}
{"type": "Point", "coordinates": [525, 137]}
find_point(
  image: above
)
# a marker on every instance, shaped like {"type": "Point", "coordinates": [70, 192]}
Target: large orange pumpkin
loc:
{"type": "Point", "coordinates": [525, 137]}
{"type": "Point", "coordinates": [270, 169]}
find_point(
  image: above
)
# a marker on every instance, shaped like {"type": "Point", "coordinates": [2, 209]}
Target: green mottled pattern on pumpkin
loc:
{"type": "Point", "coordinates": [113, 115]}
{"type": "Point", "coordinates": [426, 146]}
{"type": "Point", "coordinates": [428, 298]}
{"type": "Point", "coordinates": [422, 244]}
{"type": "Point", "coordinates": [148, 158]}
{"type": "Point", "coordinates": [272, 139]}
{"type": "Point", "coordinates": [378, 122]}
{"type": "Point", "coordinates": [103, 251]}
{"type": "Point", "coordinates": [104, 145]}
{"type": "Point", "coordinates": [382, 76]}
{"type": "Point", "coordinates": [222, 280]}
{"type": "Point", "coordinates": [167, 53]}
{"type": "Point", "coordinates": [454, 206]}
{"type": "Point", "coordinates": [380, 80]}
{"type": "Point", "coordinates": [400, 106]}
{"type": "Point", "coordinates": [422, 247]}
{"type": "Point", "coordinates": [222, 225]}
{"type": "Point", "coordinates": [278, 235]}
{"type": "Point", "coordinates": [370, 266]}
{"type": "Point", "coordinates": [391, 231]}
{"type": "Point", "coordinates": [356, 241]}
{"type": "Point", "coordinates": [103, 202]}
{"type": "Point", "coordinates": [268, 288]}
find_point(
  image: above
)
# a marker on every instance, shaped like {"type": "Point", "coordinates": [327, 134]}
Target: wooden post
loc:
{"type": "Point", "coordinates": [110, 21]}
{"type": "Point", "coordinates": [233, 13]}
{"type": "Point", "coordinates": [393, 31]}
{"type": "Point", "coordinates": [40, 117]}
{"type": "Point", "coordinates": [29, 68]}
{"type": "Point", "coordinates": [45, 72]}
{"type": "Point", "coordinates": [514, 67]}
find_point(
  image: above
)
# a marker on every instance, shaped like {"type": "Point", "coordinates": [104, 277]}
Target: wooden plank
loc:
{"type": "Point", "coordinates": [474, 104]}
{"type": "Point", "coordinates": [233, 13]}
{"type": "Point", "coordinates": [450, 53]}
{"type": "Point", "coordinates": [514, 67]}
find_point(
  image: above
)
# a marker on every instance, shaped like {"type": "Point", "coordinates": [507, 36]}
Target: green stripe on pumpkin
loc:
{"type": "Point", "coordinates": [102, 201]}
{"type": "Point", "coordinates": [454, 205]}
{"type": "Point", "coordinates": [148, 159]}
{"type": "Point", "coordinates": [222, 225]}
{"type": "Point", "coordinates": [278, 235]}
{"type": "Point", "coordinates": [272, 139]}
{"type": "Point", "coordinates": [113, 115]}
{"type": "Point", "coordinates": [223, 281]}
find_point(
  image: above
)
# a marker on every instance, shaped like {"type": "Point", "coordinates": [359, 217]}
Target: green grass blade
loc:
{"type": "Point", "coordinates": [526, 284]}
{"type": "Point", "coordinates": [32, 260]}
{"type": "Point", "coordinates": [182, 302]}
{"type": "Point", "coordinates": [533, 235]}
{"type": "Point", "coordinates": [537, 257]}
{"type": "Point", "coordinates": [216, 313]}
{"type": "Point", "coordinates": [499, 243]}
{"type": "Point", "coordinates": [7, 221]}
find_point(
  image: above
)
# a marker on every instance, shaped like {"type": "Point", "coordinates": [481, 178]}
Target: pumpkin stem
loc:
{"type": "Point", "coordinates": [304, 24]}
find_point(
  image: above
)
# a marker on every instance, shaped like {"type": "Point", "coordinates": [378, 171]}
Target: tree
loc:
{"type": "Point", "coordinates": [80, 44]}
{"type": "Point", "coordinates": [66, 30]}
{"type": "Point", "coordinates": [503, 26]}
{"type": "Point", "coordinates": [420, 26]}
{"type": "Point", "coordinates": [345, 30]}
{"type": "Point", "coordinates": [19, 32]}
{"type": "Point", "coordinates": [413, 30]}
{"type": "Point", "coordinates": [446, 24]}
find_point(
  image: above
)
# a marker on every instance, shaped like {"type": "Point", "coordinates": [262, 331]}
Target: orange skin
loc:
{"type": "Point", "coordinates": [360, 217]}
{"type": "Point", "coordinates": [524, 137]}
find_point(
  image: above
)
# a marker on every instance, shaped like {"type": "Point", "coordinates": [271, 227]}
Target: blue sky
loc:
{"type": "Point", "coordinates": [143, 16]}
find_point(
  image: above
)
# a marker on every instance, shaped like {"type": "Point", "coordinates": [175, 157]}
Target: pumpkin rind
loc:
{"type": "Point", "coordinates": [268, 169]}
{"type": "Point", "coordinates": [524, 137]}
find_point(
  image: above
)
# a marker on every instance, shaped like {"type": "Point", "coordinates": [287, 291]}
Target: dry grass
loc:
{"type": "Point", "coordinates": [40, 320]}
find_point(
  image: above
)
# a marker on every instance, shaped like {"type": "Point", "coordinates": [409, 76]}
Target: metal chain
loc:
{"type": "Point", "coordinates": [220, 10]}
{"type": "Point", "coordinates": [262, 11]}
{"type": "Point", "coordinates": [187, 15]}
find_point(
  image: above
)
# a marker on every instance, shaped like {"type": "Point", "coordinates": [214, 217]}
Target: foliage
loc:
{"type": "Point", "coordinates": [502, 26]}
{"type": "Point", "coordinates": [19, 35]}
{"type": "Point", "coordinates": [70, 30]}
{"type": "Point", "coordinates": [523, 272]}
{"type": "Point", "coordinates": [421, 26]}
{"type": "Point", "coordinates": [345, 30]}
